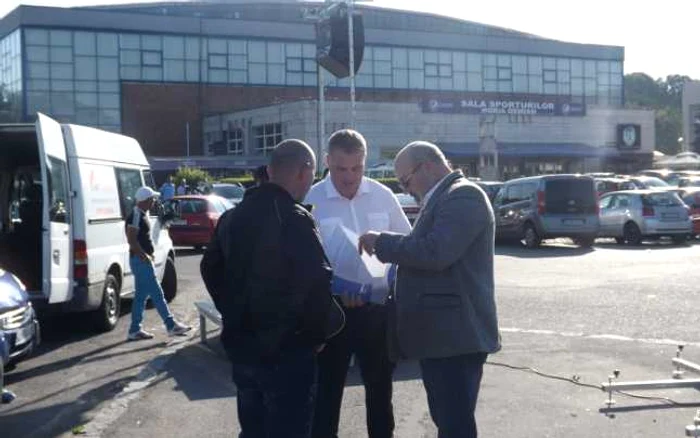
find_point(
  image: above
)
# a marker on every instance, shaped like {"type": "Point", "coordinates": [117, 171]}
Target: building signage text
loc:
{"type": "Point", "coordinates": [534, 107]}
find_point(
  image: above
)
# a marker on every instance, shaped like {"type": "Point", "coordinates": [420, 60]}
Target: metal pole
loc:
{"type": "Point", "coordinates": [187, 134]}
{"type": "Point", "coordinates": [351, 48]}
{"type": "Point", "coordinates": [321, 116]}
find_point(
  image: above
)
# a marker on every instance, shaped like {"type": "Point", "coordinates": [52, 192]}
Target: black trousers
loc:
{"type": "Point", "coordinates": [365, 336]}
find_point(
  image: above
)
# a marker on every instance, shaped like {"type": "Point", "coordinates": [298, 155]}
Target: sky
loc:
{"type": "Point", "coordinates": [656, 35]}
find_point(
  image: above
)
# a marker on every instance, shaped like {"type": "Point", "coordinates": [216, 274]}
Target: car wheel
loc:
{"type": "Point", "coordinates": [620, 240]}
{"type": "Point", "coordinates": [585, 242]}
{"type": "Point", "coordinates": [633, 235]}
{"type": "Point", "coordinates": [107, 316]}
{"type": "Point", "coordinates": [169, 282]}
{"type": "Point", "coordinates": [530, 237]}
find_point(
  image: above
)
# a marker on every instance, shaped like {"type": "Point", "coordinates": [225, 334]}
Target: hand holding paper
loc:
{"type": "Point", "coordinates": [367, 242]}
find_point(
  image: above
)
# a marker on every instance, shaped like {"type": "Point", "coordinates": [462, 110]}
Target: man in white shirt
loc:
{"type": "Point", "coordinates": [345, 198]}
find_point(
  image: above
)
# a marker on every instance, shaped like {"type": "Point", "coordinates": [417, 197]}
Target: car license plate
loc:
{"type": "Point", "coordinates": [573, 221]}
{"type": "Point", "coordinates": [179, 222]}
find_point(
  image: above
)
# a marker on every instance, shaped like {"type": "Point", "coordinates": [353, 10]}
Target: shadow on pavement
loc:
{"type": "Point", "coordinates": [545, 251]}
{"type": "Point", "coordinates": [645, 246]}
{"type": "Point", "coordinates": [188, 252]}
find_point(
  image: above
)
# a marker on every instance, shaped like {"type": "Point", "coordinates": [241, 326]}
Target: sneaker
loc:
{"type": "Point", "coordinates": [139, 336]}
{"type": "Point", "coordinates": [178, 329]}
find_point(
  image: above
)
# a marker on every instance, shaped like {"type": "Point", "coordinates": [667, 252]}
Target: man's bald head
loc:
{"type": "Point", "coordinates": [418, 152]}
{"type": "Point", "coordinates": [292, 165]}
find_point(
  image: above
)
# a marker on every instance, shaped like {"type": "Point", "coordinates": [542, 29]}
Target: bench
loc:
{"type": "Point", "coordinates": [206, 310]}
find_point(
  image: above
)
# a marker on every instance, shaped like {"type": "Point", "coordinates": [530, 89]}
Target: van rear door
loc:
{"type": "Point", "coordinates": [56, 228]}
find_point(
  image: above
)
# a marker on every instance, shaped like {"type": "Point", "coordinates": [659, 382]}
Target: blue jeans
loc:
{"type": "Point", "coordinates": [452, 385]}
{"type": "Point", "coordinates": [147, 285]}
{"type": "Point", "coordinates": [276, 400]}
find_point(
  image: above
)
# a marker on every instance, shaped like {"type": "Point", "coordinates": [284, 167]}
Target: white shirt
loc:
{"type": "Point", "coordinates": [374, 207]}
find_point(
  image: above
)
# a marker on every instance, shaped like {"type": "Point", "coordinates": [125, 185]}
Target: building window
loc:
{"type": "Point", "coordinates": [234, 141]}
{"type": "Point", "coordinates": [267, 136]}
{"type": "Point", "coordinates": [152, 58]}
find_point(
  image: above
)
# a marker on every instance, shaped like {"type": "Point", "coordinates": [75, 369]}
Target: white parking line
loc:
{"type": "Point", "coordinates": [611, 337]}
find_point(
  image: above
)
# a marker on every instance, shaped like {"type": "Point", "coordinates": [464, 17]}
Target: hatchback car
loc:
{"type": "Point", "coordinates": [197, 216]}
{"type": "Point", "coordinates": [18, 321]}
{"type": "Point", "coordinates": [634, 215]}
{"type": "Point", "coordinates": [547, 207]}
{"type": "Point", "coordinates": [691, 198]}
{"type": "Point", "coordinates": [233, 192]}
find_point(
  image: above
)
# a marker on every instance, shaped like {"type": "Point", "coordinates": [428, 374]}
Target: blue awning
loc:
{"type": "Point", "coordinates": [525, 150]}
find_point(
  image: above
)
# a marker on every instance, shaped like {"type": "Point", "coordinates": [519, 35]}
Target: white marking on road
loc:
{"type": "Point", "coordinates": [108, 415]}
{"type": "Point", "coordinates": [600, 336]}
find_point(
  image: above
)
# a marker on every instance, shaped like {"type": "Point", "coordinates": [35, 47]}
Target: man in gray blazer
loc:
{"type": "Point", "coordinates": [444, 311]}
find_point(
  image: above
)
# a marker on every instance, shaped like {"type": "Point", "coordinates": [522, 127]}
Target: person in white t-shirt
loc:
{"type": "Point", "coordinates": [345, 198]}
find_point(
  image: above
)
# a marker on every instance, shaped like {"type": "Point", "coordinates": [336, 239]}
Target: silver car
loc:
{"type": "Point", "coordinates": [631, 216]}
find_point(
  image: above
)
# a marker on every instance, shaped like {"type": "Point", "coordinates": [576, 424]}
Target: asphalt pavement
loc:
{"type": "Point", "coordinates": [569, 317]}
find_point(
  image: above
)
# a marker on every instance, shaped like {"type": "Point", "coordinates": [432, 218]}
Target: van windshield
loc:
{"type": "Point", "coordinates": [575, 195]}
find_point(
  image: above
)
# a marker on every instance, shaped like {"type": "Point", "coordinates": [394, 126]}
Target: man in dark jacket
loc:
{"type": "Point", "coordinates": [269, 277]}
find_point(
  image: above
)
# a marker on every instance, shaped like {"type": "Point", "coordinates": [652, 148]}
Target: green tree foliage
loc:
{"type": "Point", "coordinates": [193, 175]}
{"type": "Point", "coordinates": [663, 96]}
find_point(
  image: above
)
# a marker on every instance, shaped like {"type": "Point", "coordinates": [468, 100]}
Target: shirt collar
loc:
{"type": "Point", "coordinates": [332, 192]}
{"type": "Point", "coordinates": [425, 199]}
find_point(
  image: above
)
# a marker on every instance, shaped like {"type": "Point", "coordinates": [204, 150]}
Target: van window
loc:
{"type": "Point", "coordinates": [148, 180]}
{"type": "Point", "coordinates": [570, 195]}
{"type": "Point", "coordinates": [59, 207]}
{"type": "Point", "coordinates": [128, 181]}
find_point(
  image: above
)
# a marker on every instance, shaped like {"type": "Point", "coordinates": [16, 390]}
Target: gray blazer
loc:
{"type": "Point", "coordinates": [444, 301]}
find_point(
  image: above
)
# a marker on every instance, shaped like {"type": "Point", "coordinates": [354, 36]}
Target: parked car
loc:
{"type": "Point", "coordinates": [65, 191]}
{"type": "Point", "coordinates": [672, 177]}
{"type": "Point", "coordinates": [18, 321]}
{"type": "Point", "coordinates": [649, 182]}
{"type": "Point", "coordinates": [491, 188]}
{"type": "Point", "coordinates": [611, 184]}
{"type": "Point", "coordinates": [546, 207]}
{"type": "Point", "coordinates": [409, 205]}
{"type": "Point", "coordinates": [635, 215]}
{"type": "Point", "coordinates": [233, 192]}
{"type": "Point", "coordinates": [197, 219]}
{"type": "Point", "coordinates": [691, 197]}
{"type": "Point", "coordinates": [689, 181]}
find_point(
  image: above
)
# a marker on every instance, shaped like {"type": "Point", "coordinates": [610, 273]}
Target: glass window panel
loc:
{"type": "Point", "coordinates": [382, 54]}
{"type": "Point", "coordinates": [309, 51]}
{"type": "Point", "coordinates": [474, 62]}
{"type": "Point", "coordinates": [491, 86]}
{"type": "Point", "coordinates": [474, 82]}
{"type": "Point", "coordinates": [173, 47]}
{"type": "Point", "coordinates": [62, 103]}
{"type": "Point", "coordinates": [577, 87]}
{"type": "Point", "coordinates": [86, 100]}
{"type": "Point", "coordinates": [459, 61]}
{"type": "Point", "coordinates": [107, 44]}
{"type": "Point", "coordinates": [382, 81]}
{"type": "Point", "coordinates": [445, 83]}
{"type": "Point", "coordinates": [563, 64]}
{"type": "Point", "coordinates": [109, 117]}
{"type": "Point", "coordinates": [85, 86]}
{"type": "Point", "coordinates": [399, 59]}
{"type": "Point", "coordinates": [534, 65]}
{"type": "Point", "coordinates": [445, 57]}
{"type": "Point", "coordinates": [38, 101]}
{"type": "Point", "coordinates": [151, 42]}
{"type": "Point", "coordinates": [382, 67]}
{"type": "Point", "coordinates": [367, 67]}
{"type": "Point", "coordinates": [604, 79]}
{"type": "Point", "coordinates": [504, 73]}
{"type": "Point", "coordinates": [590, 87]}
{"type": "Point", "coordinates": [109, 100]}
{"type": "Point", "coordinates": [218, 46]}
{"type": "Point", "coordinates": [535, 84]}
{"type": "Point", "coordinates": [445, 71]}
{"type": "Point", "coordinates": [237, 76]}
{"type": "Point", "coordinates": [432, 83]}
{"type": "Point", "coordinates": [192, 48]}
{"type": "Point", "coordinates": [431, 69]}
{"type": "Point", "coordinates": [258, 73]}
{"type": "Point", "coordinates": [615, 79]}
{"type": "Point", "coordinates": [615, 67]}
{"type": "Point", "coordinates": [86, 116]}
{"type": "Point", "coordinates": [519, 65]}
{"type": "Point", "coordinates": [550, 88]}
{"type": "Point", "coordinates": [309, 65]}
{"type": "Point", "coordinates": [616, 95]}
{"type": "Point", "coordinates": [603, 66]}
{"type": "Point", "coordinates": [129, 41]}
{"type": "Point", "coordinates": [129, 72]}
{"type": "Point", "coordinates": [505, 86]}
{"type": "Point", "coordinates": [62, 38]}
{"type": "Point", "coordinates": [275, 53]}
{"type": "Point", "coordinates": [577, 67]}
{"type": "Point", "coordinates": [504, 60]}
{"type": "Point", "coordinates": [275, 74]}
{"type": "Point", "coordinates": [38, 70]}
{"type": "Point", "coordinates": [61, 71]}
{"type": "Point", "coordinates": [400, 78]}
{"type": "Point", "coordinates": [192, 71]}
{"type": "Point", "coordinates": [38, 84]}
{"type": "Point", "coordinates": [563, 77]}
{"type": "Point", "coordinates": [520, 83]}
{"type": "Point", "coordinates": [61, 85]}
{"type": "Point", "coordinates": [108, 86]}
{"type": "Point", "coordinates": [550, 76]}
{"type": "Point", "coordinates": [490, 73]}
{"type": "Point", "coordinates": [218, 62]}
{"type": "Point", "coordinates": [590, 68]}
{"type": "Point", "coordinates": [310, 79]}
{"type": "Point", "coordinates": [37, 53]}
{"type": "Point", "coordinates": [256, 50]}
{"type": "Point", "coordinates": [130, 57]}
{"type": "Point", "coordinates": [36, 36]}
{"type": "Point", "coordinates": [431, 56]}
{"type": "Point", "coordinates": [218, 76]}
{"type": "Point", "coordinates": [151, 58]}
{"type": "Point", "coordinates": [415, 59]}
{"type": "Point", "coordinates": [294, 64]}
{"type": "Point", "coordinates": [459, 81]}
{"type": "Point", "coordinates": [564, 89]}
{"type": "Point", "coordinates": [61, 54]}
{"type": "Point", "coordinates": [293, 50]}
{"type": "Point", "coordinates": [416, 79]}
{"type": "Point", "coordinates": [237, 62]}
{"type": "Point", "coordinates": [107, 69]}
{"type": "Point", "coordinates": [365, 81]}
{"type": "Point", "coordinates": [550, 63]}
{"type": "Point", "coordinates": [85, 43]}
{"type": "Point", "coordinates": [490, 60]}
{"type": "Point", "coordinates": [152, 74]}
{"type": "Point", "coordinates": [295, 79]}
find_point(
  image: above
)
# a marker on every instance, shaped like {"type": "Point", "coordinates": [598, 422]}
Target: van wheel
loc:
{"type": "Point", "coordinates": [632, 234]}
{"type": "Point", "coordinates": [530, 237]}
{"type": "Point", "coordinates": [169, 283]}
{"type": "Point", "coordinates": [106, 317]}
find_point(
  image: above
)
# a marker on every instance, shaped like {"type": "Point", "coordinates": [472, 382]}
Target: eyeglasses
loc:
{"type": "Point", "coordinates": [406, 180]}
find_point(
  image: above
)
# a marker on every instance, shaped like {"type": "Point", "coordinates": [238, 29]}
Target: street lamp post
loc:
{"type": "Point", "coordinates": [351, 59]}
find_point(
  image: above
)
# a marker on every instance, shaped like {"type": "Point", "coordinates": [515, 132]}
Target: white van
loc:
{"type": "Point", "coordinates": [65, 191]}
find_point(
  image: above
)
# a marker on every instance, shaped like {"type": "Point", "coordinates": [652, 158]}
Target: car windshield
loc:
{"type": "Point", "coordinates": [661, 200]}
{"type": "Point", "coordinates": [652, 181]}
{"type": "Point", "coordinates": [229, 191]}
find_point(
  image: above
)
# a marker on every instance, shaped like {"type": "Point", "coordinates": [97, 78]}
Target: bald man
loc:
{"type": "Point", "coordinates": [269, 277]}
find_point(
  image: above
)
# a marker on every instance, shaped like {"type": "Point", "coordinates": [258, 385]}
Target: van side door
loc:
{"type": "Point", "coordinates": [56, 212]}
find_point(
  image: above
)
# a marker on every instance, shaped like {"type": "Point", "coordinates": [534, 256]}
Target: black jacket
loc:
{"type": "Point", "coordinates": [267, 273]}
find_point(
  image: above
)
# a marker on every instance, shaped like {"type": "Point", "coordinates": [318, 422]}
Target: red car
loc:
{"type": "Point", "coordinates": [691, 198]}
{"type": "Point", "coordinates": [197, 219]}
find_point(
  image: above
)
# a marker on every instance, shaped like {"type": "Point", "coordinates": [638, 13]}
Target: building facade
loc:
{"type": "Point", "coordinates": [165, 72]}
